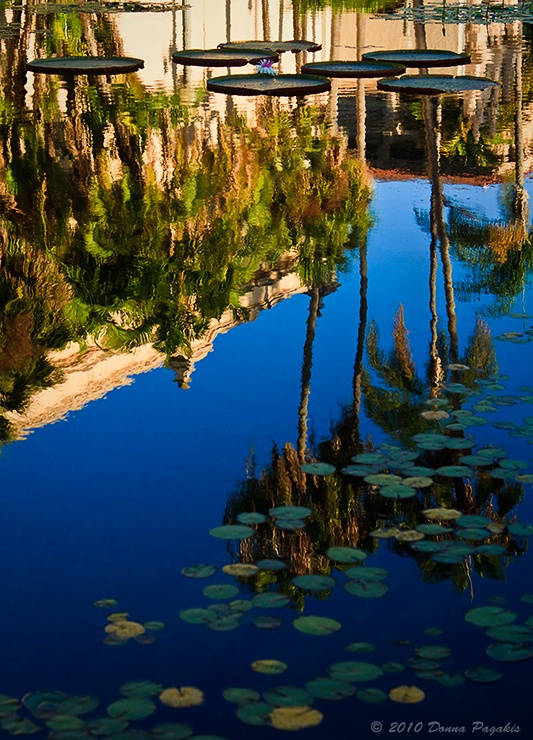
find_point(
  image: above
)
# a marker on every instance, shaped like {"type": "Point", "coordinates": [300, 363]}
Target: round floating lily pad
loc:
{"type": "Point", "coordinates": [360, 647]}
{"type": "Point", "coordinates": [318, 626]}
{"type": "Point", "coordinates": [222, 57]}
{"type": "Point", "coordinates": [78, 705]}
{"type": "Point", "coordinates": [270, 666]}
{"type": "Point", "coordinates": [392, 667]}
{"type": "Point", "coordinates": [288, 696]}
{"type": "Point", "coordinates": [220, 591]}
{"type": "Point", "coordinates": [266, 622]}
{"type": "Point", "coordinates": [224, 624]}
{"type": "Point", "coordinates": [521, 530]}
{"type": "Point", "coordinates": [198, 571]}
{"type": "Point", "coordinates": [295, 718]}
{"type": "Point", "coordinates": [289, 523]}
{"type": "Point", "coordinates": [197, 616]}
{"type": "Point", "coordinates": [511, 633]}
{"type": "Point", "coordinates": [184, 696]}
{"type": "Point", "coordinates": [418, 481]}
{"type": "Point", "coordinates": [65, 722]}
{"type": "Point", "coordinates": [318, 468]}
{"type": "Point", "coordinates": [270, 600]}
{"type": "Point", "coordinates": [124, 629]}
{"type": "Point", "coordinates": [383, 479]}
{"type": "Point", "coordinates": [431, 529]}
{"type": "Point", "coordinates": [458, 443]}
{"type": "Point", "coordinates": [232, 532]}
{"type": "Point", "coordinates": [295, 45]}
{"type": "Point", "coordinates": [330, 689]}
{"type": "Point", "coordinates": [171, 731]}
{"type": "Point", "coordinates": [442, 514]}
{"type": "Point", "coordinates": [240, 570]}
{"type": "Point", "coordinates": [472, 520]}
{"type": "Point", "coordinates": [87, 65]}
{"type": "Point", "coordinates": [447, 557]}
{"type": "Point", "coordinates": [510, 652]}
{"type": "Point", "coordinates": [355, 671]}
{"type": "Point", "coordinates": [353, 69]}
{"type": "Point", "coordinates": [482, 675]}
{"type": "Point", "coordinates": [491, 549]}
{"type": "Point", "coordinates": [490, 616]}
{"type": "Point", "coordinates": [132, 708]}
{"type": "Point", "coordinates": [426, 546]}
{"type": "Point", "coordinates": [366, 573]}
{"type": "Point", "coordinates": [290, 512]}
{"type": "Point", "coordinates": [16, 725]}
{"type": "Point", "coordinates": [141, 688]}
{"type": "Point", "coordinates": [408, 535]}
{"type": "Point", "coordinates": [371, 695]}
{"type": "Point", "coordinates": [455, 471]}
{"type": "Point", "coordinates": [366, 589]}
{"type": "Point", "coordinates": [118, 617]}
{"type": "Point", "coordinates": [105, 603]}
{"type": "Point", "coordinates": [255, 84]}
{"type": "Point", "coordinates": [473, 533]}
{"type": "Point", "coordinates": [255, 713]}
{"type": "Point", "coordinates": [407, 694]}
{"type": "Point", "coordinates": [398, 491]}
{"type": "Point", "coordinates": [502, 474]}
{"type": "Point", "coordinates": [433, 652]}
{"type": "Point", "coordinates": [346, 554]}
{"type": "Point", "coordinates": [271, 564]}
{"type": "Point", "coordinates": [311, 582]}
{"type": "Point", "coordinates": [43, 704]}
{"type": "Point", "coordinates": [106, 726]}
{"type": "Point", "coordinates": [154, 626]}
{"type": "Point", "coordinates": [240, 696]}
{"type": "Point", "coordinates": [450, 679]}
{"type": "Point", "coordinates": [251, 517]}
{"type": "Point", "coordinates": [370, 458]}
{"type": "Point", "coordinates": [419, 57]}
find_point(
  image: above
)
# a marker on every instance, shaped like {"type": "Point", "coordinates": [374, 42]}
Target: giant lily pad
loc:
{"type": "Point", "coordinates": [222, 57]}
{"type": "Point", "coordinates": [295, 45]}
{"type": "Point", "coordinates": [255, 84]}
{"type": "Point", "coordinates": [419, 57]}
{"type": "Point", "coordinates": [87, 65]}
{"type": "Point", "coordinates": [353, 69]}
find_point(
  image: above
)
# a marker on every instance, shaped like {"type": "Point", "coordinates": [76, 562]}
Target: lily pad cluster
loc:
{"type": "Point", "coordinates": [121, 629]}
{"type": "Point", "coordinates": [510, 642]}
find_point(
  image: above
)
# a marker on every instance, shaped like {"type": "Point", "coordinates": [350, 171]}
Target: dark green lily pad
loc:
{"type": "Point", "coordinates": [398, 491]}
{"type": "Point", "coordinates": [509, 652]}
{"type": "Point", "coordinates": [141, 688]}
{"type": "Point", "coordinates": [197, 616]}
{"type": "Point", "coordinates": [317, 468]}
{"type": "Point", "coordinates": [433, 652]}
{"type": "Point", "coordinates": [317, 626]}
{"type": "Point", "coordinates": [491, 549]}
{"type": "Point", "coordinates": [476, 460]}
{"type": "Point", "coordinates": [366, 589]}
{"type": "Point", "coordinates": [132, 708]}
{"type": "Point", "coordinates": [288, 696]}
{"type": "Point", "coordinates": [256, 84]}
{"type": "Point", "coordinates": [502, 474]}
{"type": "Point", "coordinates": [290, 524]}
{"type": "Point", "coordinates": [383, 479]}
{"type": "Point", "coordinates": [473, 533]}
{"type": "Point", "coordinates": [43, 704]}
{"type": "Point", "coordinates": [220, 591]}
{"type": "Point", "coordinates": [154, 625]}
{"type": "Point", "coordinates": [450, 679]}
{"type": "Point", "coordinates": [521, 530]}
{"type": "Point", "coordinates": [346, 554]}
{"type": "Point", "coordinates": [251, 517]}
{"type": "Point", "coordinates": [106, 726]}
{"type": "Point", "coordinates": [419, 57]}
{"type": "Point", "coordinates": [511, 633]}
{"type": "Point", "coordinates": [231, 532]}
{"type": "Point", "coordinates": [222, 57]}
{"type": "Point", "coordinates": [426, 546]}
{"type": "Point", "coordinates": [290, 512]}
{"type": "Point", "coordinates": [353, 69]}
{"type": "Point", "coordinates": [270, 600]}
{"type": "Point", "coordinates": [85, 65]}
{"type": "Point", "coordinates": [360, 647]}
{"type": "Point", "coordinates": [240, 696]}
{"type": "Point", "coordinates": [171, 731]}
{"type": "Point", "coordinates": [295, 45]}
{"type": "Point", "coordinates": [62, 722]}
{"type": "Point", "coordinates": [432, 529]}
{"type": "Point", "coordinates": [255, 713]}
{"type": "Point", "coordinates": [472, 520]}
{"type": "Point", "coordinates": [355, 671]}
{"type": "Point", "coordinates": [78, 705]}
{"type": "Point", "coordinates": [482, 675]}
{"type": "Point", "coordinates": [371, 695]}
{"type": "Point", "coordinates": [448, 557]}
{"type": "Point", "coordinates": [312, 582]}
{"type": "Point", "coordinates": [490, 616]}
{"type": "Point", "coordinates": [330, 689]}
{"type": "Point", "coordinates": [459, 443]}
{"type": "Point", "coordinates": [392, 667]}
{"type": "Point", "coordinates": [16, 725]}
{"type": "Point", "coordinates": [271, 564]}
{"type": "Point", "coordinates": [225, 623]}
{"type": "Point", "coordinates": [455, 471]}
{"type": "Point", "coordinates": [361, 471]}
{"type": "Point", "coordinates": [366, 573]}
{"type": "Point", "coordinates": [266, 622]}
{"type": "Point", "coordinates": [436, 85]}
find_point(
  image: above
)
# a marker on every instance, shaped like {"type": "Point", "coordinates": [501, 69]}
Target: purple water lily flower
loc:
{"type": "Point", "coordinates": [265, 67]}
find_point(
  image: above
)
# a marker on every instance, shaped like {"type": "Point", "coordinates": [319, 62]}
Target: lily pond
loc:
{"type": "Point", "coordinates": [266, 399]}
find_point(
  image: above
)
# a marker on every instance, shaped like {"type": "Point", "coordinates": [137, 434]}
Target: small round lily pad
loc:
{"type": "Point", "coordinates": [455, 471]}
{"type": "Point", "coordinates": [318, 626]}
{"type": "Point", "coordinates": [346, 554]}
{"type": "Point", "coordinates": [407, 694]}
{"type": "Point", "coordinates": [287, 696]}
{"type": "Point", "coordinates": [354, 671]}
{"type": "Point", "coordinates": [240, 695]}
{"type": "Point", "coordinates": [270, 600]}
{"type": "Point", "coordinates": [255, 713]}
{"type": "Point", "coordinates": [314, 582]}
{"type": "Point", "coordinates": [171, 731]}
{"type": "Point", "coordinates": [198, 571]}
{"type": "Point", "coordinates": [231, 532]}
{"type": "Point", "coordinates": [371, 695]}
{"type": "Point", "coordinates": [240, 570]}
{"type": "Point", "coordinates": [269, 665]}
{"type": "Point", "coordinates": [220, 591]}
{"type": "Point", "coordinates": [482, 675]}
{"type": "Point", "coordinates": [510, 652]}
{"type": "Point", "coordinates": [366, 589]}
{"type": "Point", "coordinates": [295, 718]}
{"type": "Point", "coordinates": [85, 65]}
{"type": "Point", "coordinates": [317, 468]}
{"type": "Point", "coordinates": [251, 517]}
{"type": "Point", "coordinates": [330, 689]}
{"type": "Point", "coordinates": [266, 622]}
{"type": "Point", "coordinates": [183, 696]}
{"type": "Point", "coordinates": [255, 84]}
{"type": "Point", "coordinates": [490, 616]}
{"type": "Point", "coordinates": [132, 708]}
{"type": "Point", "coordinates": [290, 512]}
